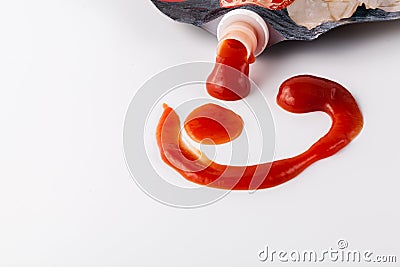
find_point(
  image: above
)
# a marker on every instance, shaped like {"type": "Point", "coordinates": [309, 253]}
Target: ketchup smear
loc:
{"type": "Point", "coordinates": [300, 94]}
{"type": "Point", "coordinates": [211, 124]}
{"type": "Point", "coordinates": [229, 78]}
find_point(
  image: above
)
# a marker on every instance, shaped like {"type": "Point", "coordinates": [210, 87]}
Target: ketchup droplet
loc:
{"type": "Point", "coordinates": [213, 124]}
{"type": "Point", "coordinates": [300, 94]}
{"type": "Point", "coordinates": [229, 78]}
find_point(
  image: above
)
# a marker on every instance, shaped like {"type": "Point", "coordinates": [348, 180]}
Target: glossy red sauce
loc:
{"type": "Point", "coordinates": [229, 78]}
{"type": "Point", "coordinates": [300, 94]}
{"type": "Point", "coordinates": [213, 124]}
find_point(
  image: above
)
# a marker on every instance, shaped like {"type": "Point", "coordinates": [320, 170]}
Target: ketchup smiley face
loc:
{"type": "Point", "coordinates": [300, 94]}
{"type": "Point", "coordinates": [229, 81]}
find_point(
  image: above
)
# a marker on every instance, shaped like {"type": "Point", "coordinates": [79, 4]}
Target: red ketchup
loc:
{"type": "Point", "coordinates": [300, 94]}
{"type": "Point", "coordinates": [229, 78]}
{"type": "Point", "coordinates": [213, 124]}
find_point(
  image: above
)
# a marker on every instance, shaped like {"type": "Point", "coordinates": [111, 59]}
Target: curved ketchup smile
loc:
{"type": "Point", "coordinates": [300, 94]}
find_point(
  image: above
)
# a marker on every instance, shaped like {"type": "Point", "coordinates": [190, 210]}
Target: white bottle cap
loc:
{"type": "Point", "coordinates": [246, 27]}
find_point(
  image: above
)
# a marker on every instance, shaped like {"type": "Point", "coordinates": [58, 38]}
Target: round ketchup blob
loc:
{"type": "Point", "coordinates": [229, 78]}
{"type": "Point", "coordinates": [213, 124]}
{"type": "Point", "coordinates": [300, 94]}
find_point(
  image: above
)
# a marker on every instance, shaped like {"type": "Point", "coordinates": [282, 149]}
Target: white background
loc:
{"type": "Point", "coordinates": [68, 70]}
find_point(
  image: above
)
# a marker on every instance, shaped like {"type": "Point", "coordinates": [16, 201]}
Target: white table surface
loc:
{"type": "Point", "coordinates": [68, 71]}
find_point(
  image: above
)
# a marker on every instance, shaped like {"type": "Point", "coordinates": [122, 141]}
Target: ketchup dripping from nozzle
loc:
{"type": "Point", "coordinates": [229, 79]}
